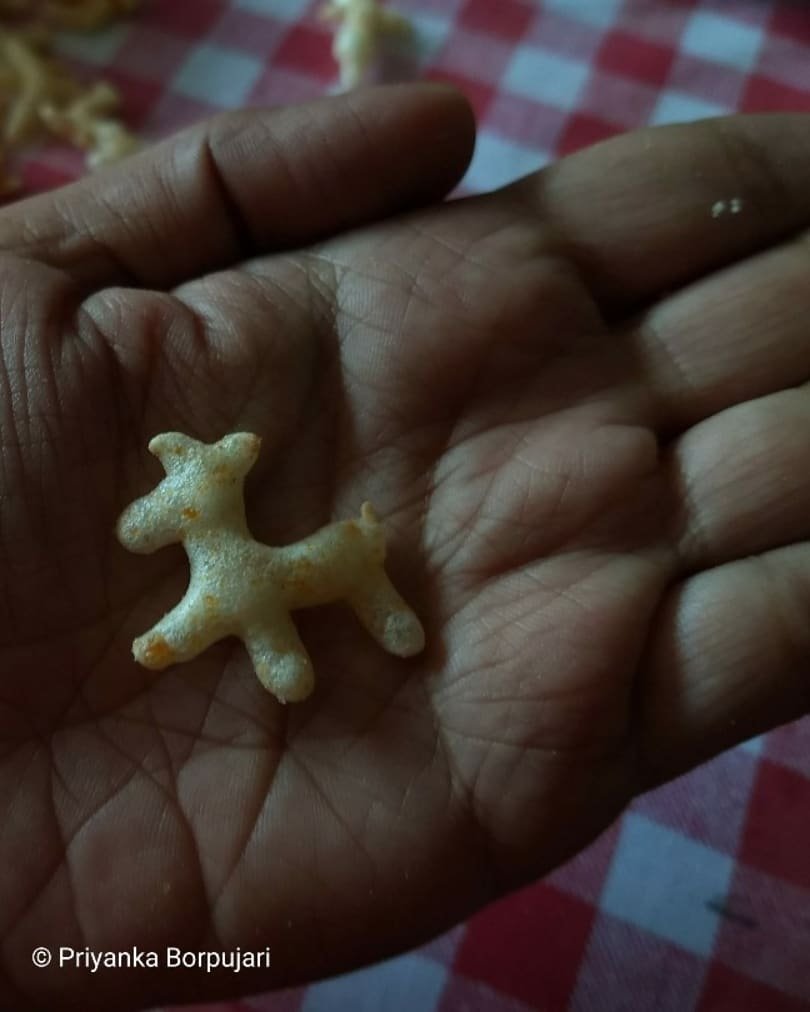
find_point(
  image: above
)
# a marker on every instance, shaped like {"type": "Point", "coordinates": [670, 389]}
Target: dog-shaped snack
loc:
{"type": "Point", "coordinates": [240, 587]}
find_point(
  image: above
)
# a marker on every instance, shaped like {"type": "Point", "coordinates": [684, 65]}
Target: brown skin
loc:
{"type": "Point", "coordinates": [578, 405]}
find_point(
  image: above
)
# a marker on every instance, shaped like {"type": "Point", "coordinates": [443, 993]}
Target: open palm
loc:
{"type": "Point", "coordinates": [563, 399]}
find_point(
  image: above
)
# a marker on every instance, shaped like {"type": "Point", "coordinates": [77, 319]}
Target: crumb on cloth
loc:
{"type": "Point", "coordinates": [40, 96]}
{"type": "Point", "coordinates": [360, 28]}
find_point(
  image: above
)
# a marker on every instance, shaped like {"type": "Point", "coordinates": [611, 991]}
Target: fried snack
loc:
{"type": "Point", "coordinates": [361, 26]}
{"type": "Point", "coordinates": [87, 123]}
{"type": "Point", "coordinates": [38, 95]}
{"type": "Point", "coordinates": [240, 587]}
{"type": "Point", "coordinates": [85, 15]}
{"type": "Point", "coordinates": [74, 15]}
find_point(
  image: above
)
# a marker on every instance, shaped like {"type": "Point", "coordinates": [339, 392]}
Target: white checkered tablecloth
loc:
{"type": "Point", "coordinates": [699, 898]}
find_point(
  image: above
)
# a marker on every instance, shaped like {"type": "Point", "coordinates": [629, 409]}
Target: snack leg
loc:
{"type": "Point", "coordinates": [387, 617]}
{"type": "Point", "coordinates": [282, 663]}
{"type": "Point", "coordinates": [181, 634]}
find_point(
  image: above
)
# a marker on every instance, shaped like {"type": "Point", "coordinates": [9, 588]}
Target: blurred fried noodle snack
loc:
{"type": "Point", "coordinates": [40, 96]}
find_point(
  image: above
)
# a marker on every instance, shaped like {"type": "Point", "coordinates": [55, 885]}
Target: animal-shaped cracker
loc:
{"type": "Point", "coordinates": [242, 588]}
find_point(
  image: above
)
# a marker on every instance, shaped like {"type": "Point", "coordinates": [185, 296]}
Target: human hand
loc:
{"type": "Point", "coordinates": [576, 403]}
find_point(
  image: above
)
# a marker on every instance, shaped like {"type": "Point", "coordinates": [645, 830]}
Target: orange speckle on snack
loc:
{"type": "Point", "coordinates": [222, 474]}
{"type": "Point", "coordinates": [210, 601]}
{"type": "Point", "coordinates": [158, 654]}
{"type": "Point", "coordinates": [190, 513]}
{"type": "Point", "coordinates": [303, 574]}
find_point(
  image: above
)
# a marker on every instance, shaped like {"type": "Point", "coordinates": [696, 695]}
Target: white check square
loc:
{"type": "Point", "coordinates": [538, 74]}
{"type": "Point", "coordinates": [667, 884]}
{"type": "Point", "coordinates": [217, 75]}
{"type": "Point", "coordinates": [722, 40]}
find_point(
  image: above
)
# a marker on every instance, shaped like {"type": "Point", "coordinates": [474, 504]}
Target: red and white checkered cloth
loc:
{"type": "Point", "coordinates": [699, 898]}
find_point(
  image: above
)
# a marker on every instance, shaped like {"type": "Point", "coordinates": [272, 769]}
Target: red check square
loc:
{"type": "Point", "coordinates": [507, 19]}
{"type": "Point", "coordinates": [763, 95]}
{"type": "Point", "coordinates": [775, 835]}
{"type": "Point", "coordinates": [193, 20]}
{"type": "Point", "coordinates": [582, 130]}
{"type": "Point", "coordinates": [529, 946]}
{"type": "Point", "coordinates": [725, 990]}
{"type": "Point", "coordinates": [307, 49]}
{"type": "Point", "coordinates": [791, 20]}
{"type": "Point", "coordinates": [635, 57]}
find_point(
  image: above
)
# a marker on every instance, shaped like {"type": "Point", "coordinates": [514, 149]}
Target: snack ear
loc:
{"type": "Point", "coordinates": [242, 448]}
{"type": "Point", "coordinates": [172, 448]}
{"type": "Point", "coordinates": [169, 444]}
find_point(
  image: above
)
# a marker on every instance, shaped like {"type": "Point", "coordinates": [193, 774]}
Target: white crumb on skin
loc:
{"type": "Point", "coordinates": [732, 206]}
{"type": "Point", "coordinates": [240, 587]}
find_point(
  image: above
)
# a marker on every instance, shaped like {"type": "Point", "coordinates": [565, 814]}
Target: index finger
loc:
{"type": "Point", "coordinates": [248, 182]}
